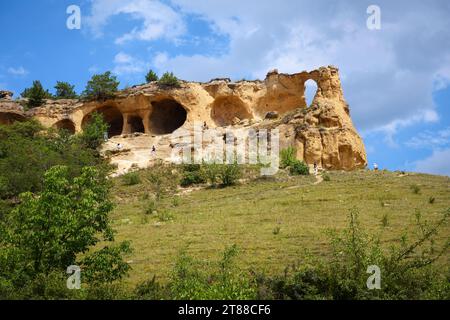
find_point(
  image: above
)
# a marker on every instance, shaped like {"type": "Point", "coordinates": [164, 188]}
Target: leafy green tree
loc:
{"type": "Point", "coordinates": [27, 151]}
{"type": "Point", "coordinates": [47, 232]}
{"type": "Point", "coordinates": [36, 95]}
{"type": "Point", "coordinates": [93, 134]}
{"type": "Point", "coordinates": [151, 76]}
{"type": "Point", "coordinates": [101, 86]}
{"type": "Point", "coordinates": [65, 90]}
{"type": "Point", "coordinates": [169, 79]}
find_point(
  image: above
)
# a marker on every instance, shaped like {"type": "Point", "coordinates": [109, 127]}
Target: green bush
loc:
{"type": "Point", "coordinates": [223, 280]}
{"type": "Point", "coordinates": [151, 76]}
{"type": "Point", "coordinates": [101, 86]}
{"type": "Point", "coordinates": [287, 157]}
{"type": "Point", "coordinates": [55, 228]}
{"type": "Point", "coordinates": [415, 189]}
{"type": "Point", "coordinates": [299, 168]}
{"type": "Point", "coordinates": [150, 206]}
{"type": "Point", "coordinates": [131, 178]}
{"type": "Point", "coordinates": [326, 177]}
{"type": "Point", "coordinates": [93, 133]}
{"type": "Point", "coordinates": [169, 79]}
{"type": "Point", "coordinates": [190, 178]}
{"type": "Point", "coordinates": [229, 174]}
{"type": "Point", "coordinates": [407, 270]}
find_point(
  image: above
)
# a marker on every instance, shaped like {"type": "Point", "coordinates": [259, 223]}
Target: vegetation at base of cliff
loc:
{"type": "Point", "coordinates": [281, 237]}
{"type": "Point", "coordinates": [27, 151]}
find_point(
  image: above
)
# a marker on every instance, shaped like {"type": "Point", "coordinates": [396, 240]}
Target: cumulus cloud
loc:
{"type": "Point", "coordinates": [388, 75]}
{"type": "Point", "coordinates": [127, 64]}
{"type": "Point", "coordinates": [19, 71]}
{"type": "Point", "coordinates": [430, 139]}
{"type": "Point", "coordinates": [158, 20]}
{"type": "Point", "coordinates": [437, 163]}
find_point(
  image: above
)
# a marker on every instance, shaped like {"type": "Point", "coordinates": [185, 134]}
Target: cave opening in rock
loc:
{"type": "Point", "coordinates": [10, 118]}
{"type": "Point", "coordinates": [167, 116]}
{"type": "Point", "coordinates": [310, 92]}
{"type": "Point", "coordinates": [112, 116]}
{"type": "Point", "coordinates": [229, 110]}
{"type": "Point", "coordinates": [136, 124]}
{"type": "Point", "coordinates": [66, 125]}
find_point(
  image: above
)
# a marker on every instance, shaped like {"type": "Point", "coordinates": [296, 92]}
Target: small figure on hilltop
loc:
{"type": "Point", "coordinates": [205, 126]}
{"type": "Point", "coordinates": [153, 152]}
{"type": "Point", "coordinates": [375, 167]}
{"type": "Point", "coordinates": [119, 147]}
{"type": "Point", "coordinates": [315, 168]}
{"type": "Point", "coordinates": [105, 136]}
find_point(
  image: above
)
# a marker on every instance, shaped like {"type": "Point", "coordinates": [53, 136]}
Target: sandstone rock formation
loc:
{"type": "Point", "coordinates": [322, 133]}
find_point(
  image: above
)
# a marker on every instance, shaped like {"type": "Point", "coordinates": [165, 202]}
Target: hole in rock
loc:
{"type": "Point", "coordinates": [227, 110]}
{"type": "Point", "coordinates": [112, 116]}
{"type": "Point", "coordinates": [167, 116]}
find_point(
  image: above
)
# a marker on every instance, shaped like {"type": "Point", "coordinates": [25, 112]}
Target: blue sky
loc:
{"type": "Point", "coordinates": [396, 79]}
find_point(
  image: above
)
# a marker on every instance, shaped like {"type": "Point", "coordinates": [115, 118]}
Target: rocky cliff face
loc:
{"type": "Point", "coordinates": [322, 133]}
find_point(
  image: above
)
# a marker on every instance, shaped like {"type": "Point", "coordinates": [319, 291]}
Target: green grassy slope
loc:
{"type": "Point", "coordinates": [273, 221]}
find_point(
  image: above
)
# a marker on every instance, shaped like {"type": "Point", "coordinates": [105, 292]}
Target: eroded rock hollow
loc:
{"type": "Point", "coordinates": [322, 132]}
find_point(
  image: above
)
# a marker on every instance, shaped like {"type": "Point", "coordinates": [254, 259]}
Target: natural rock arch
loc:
{"type": "Point", "coordinates": [10, 118]}
{"type": "Point", "coordinates": [112, 116]}
{"type": "Point", "coordinates": [310, 91]}
{"type": "Point", "coordinates": [166, 116]}
{"type": "Point", "coordinates": [226, 110]}
{"type": "Point", "coordinates": [65, 124]}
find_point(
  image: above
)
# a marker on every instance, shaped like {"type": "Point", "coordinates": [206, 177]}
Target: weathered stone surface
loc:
{"type": "Point", "coordinates": [322, 133]}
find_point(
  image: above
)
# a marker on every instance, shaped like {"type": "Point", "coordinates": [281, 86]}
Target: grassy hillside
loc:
{"type": "Point", "coordinates": [273, 221]}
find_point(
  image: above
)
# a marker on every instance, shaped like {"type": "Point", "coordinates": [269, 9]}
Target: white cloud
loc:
{"type": "Point", "coordinates": [429, 139]}
{"type": "Point", "coordinates": [388, 75]}
{"type": "Point", "coordinates": [158, 20]}
{"type": "Point", "coordinates": [19, 71]}
{"type": "Point", "coordinates": [437, 163]}
{"type": "Point", "coordinates": [126, 64]}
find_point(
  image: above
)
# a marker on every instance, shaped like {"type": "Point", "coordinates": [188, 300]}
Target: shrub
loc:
{"type": "Point", "coordinates": [150, 207]}
{"type": "Point", "coordinates": [48, 231]}
{"type": "Point", "coordinates": [169, 79]}
{"type": "Point", "coordinates": [326, 177]}
{"type": "Point", "coordinates": [431, 200]}
{"type": "Point", "coordinates": [384, 220]}
{"type": "Point", "coordinates": [93, 133]}
{"type": "Point", "coordinates": [415, 189]}
{"type": "Point", "coordinates": [164, 216]}
{"type": "Point", "coordinates": [222, 280]}
{"type": "Point", "coordinates": [407, 270]}
{"type": "Point", "coordinates": [299, 168]}
{"type": "Point", "coordinates": [228, 174]}
{"type": "Point", "coordinates": [190, 178]}
{"type": "Point", "coordinates": [151, 76]}
{"type": "Point", "coordinates": [101, 86]}
{"type": "Point", "coordinates": [65, 90]}
{"type": "Point", "coordinates": [131, 179]}
{"type": "Point", "coordinates": [36, 95]}
{"type": "Point", "coordinates": [287, 157]}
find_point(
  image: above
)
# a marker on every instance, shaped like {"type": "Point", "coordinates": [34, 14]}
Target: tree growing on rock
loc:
{"type": "Point", "coordinates": [169, 79]}
{"type": "Point", "coordinates": [151, 76]}
{"type": "Point", "coordinates": [36, 95]}
{"type": "Point", "coordinates": [65, 90]}
{"type": "Point", "coordinates": [101, 86]}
